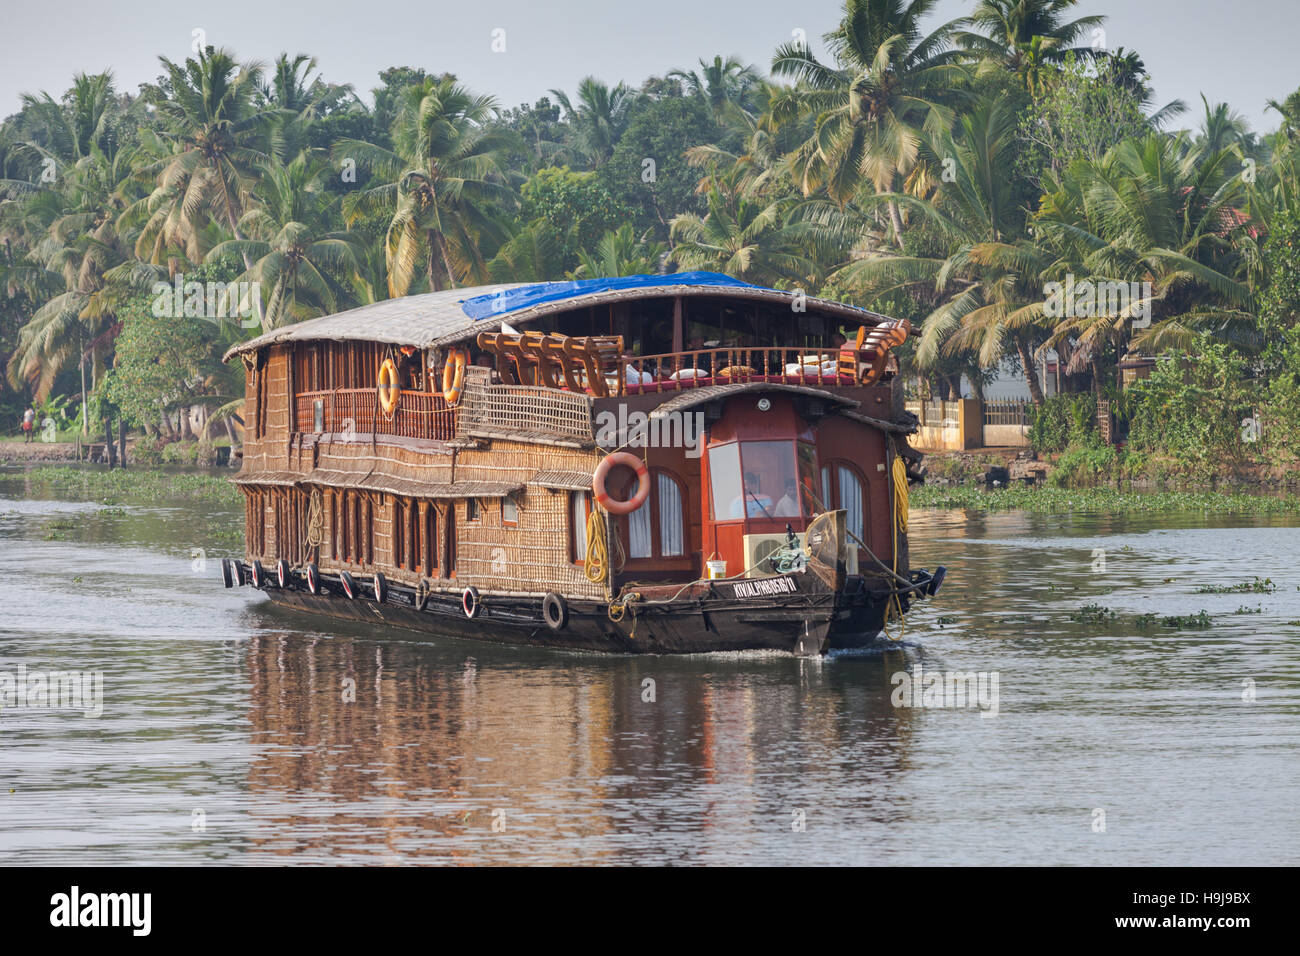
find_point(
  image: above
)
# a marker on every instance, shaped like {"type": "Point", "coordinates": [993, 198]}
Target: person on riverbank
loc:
{"type": "Point", "coordinates": [29, 423]}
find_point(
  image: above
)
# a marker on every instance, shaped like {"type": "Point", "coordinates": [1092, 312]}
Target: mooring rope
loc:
{"type": "Point", "coordinates": [315, 520]}
{"type": "Point", "coordinates": [899, 502]}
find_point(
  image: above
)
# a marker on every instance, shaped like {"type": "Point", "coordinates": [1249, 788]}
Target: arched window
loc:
{"type": "Point", "coordinates": [844, 487]}
{"type": "Point", "coordinates": [658, 528]}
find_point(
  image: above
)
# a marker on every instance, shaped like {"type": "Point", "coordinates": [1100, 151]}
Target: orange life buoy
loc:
{"type": "Point", "coordinates": [453, 376]}
{"type": "Point", "coordinates": [612, 505]}
{"type": "Point", "coordinates": [389, 390]}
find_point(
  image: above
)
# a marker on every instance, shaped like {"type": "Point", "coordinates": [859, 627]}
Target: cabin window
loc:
{"type": "Point", "coordinates": [842, 487]}
{"type": "Point", "coordinates": [471, 509]}
{"type": "Point", "coordinates": [672, 515]}
{"type": "Point", "coordinates": [578, 509]}
{"type": "Point", "coordinates": [399, 537]}
{"type": "Point", "coordinates": [509, 512]}
{"type": "Point", "coordinates": [430, 540]}
{"type": "Point", "coordinates": [657, 529]}
{"type": "Point", "coordinates": [639, 544]}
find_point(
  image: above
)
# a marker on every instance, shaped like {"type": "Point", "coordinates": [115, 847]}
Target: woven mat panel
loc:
{"type": "Point", "coordinates": [525, 409]}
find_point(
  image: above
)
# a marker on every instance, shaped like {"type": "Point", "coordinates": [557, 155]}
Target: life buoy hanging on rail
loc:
{"type": "Point", "coordinates": [453, 376]}
{"type": "Point", "coordinates": [390, 392]}
{"type": "Point", "coordinates": [613, 505]}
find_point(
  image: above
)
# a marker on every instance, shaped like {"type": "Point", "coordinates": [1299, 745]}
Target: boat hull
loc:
{"type": "Point", "coordinates": [795, 613]}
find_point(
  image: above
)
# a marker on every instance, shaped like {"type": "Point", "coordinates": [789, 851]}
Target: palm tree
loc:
{"type": "Point", "coordinates": [72, 272]}
{"type": "Point", "coordinates": [69, 132]}
{"type": "Point", "coordinates": [987, 281]}
{"type": "Point", "coordinates": [600, 118]}
{"type": "Point", "coordinates": [621, 252]}
{"type": "Point", "coordinates": [298, 265]}
{"type": "Point", "coordinates": [1290, 111]}
{"type": "Point", "coordinates": [743, 238]}
{"type": "Point", "coordinates": [295, 99]}
{"type": "Point", "coordinates": [443, 185]}
{"type": "Point", "coordinates": [872, 106]}
{"type": "Point", "coordinates": [1004, 30]}
{"type": "Point", "coordinates": [1153, 210]}
{"type": "Point", "coordinates": [1221, 127]}
{"type": "Point", "coordinates": [211, 128]}
{"type": "Point", "coordinates": [723, 84]}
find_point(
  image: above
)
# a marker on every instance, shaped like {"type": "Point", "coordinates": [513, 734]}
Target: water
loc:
{"type": "Point", "coordinates": [225, 734]}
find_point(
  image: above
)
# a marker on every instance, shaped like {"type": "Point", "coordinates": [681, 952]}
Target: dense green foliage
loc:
{"type": "Point", "coordinates": [951, 173]}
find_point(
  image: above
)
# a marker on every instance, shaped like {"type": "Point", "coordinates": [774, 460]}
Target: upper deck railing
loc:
{"type": "Point", "coordinates": [674, 371]}
{"type": "Point", "coordinates": [357, 410]}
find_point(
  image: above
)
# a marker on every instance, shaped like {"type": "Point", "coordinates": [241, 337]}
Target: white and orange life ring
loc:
{"type": "Point", "coordinates": [612, 505]}
{"type": "Point", "coordinates": [453, 376]}
{"type": "Point", "coordinates": [389, 387]}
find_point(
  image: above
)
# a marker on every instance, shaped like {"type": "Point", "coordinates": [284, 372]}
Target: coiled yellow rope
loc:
{"type": "Point", "coordinates": [599, 567]}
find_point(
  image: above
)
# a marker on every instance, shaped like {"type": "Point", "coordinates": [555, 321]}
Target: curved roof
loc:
{"type": "Point", "coordinates": [442, 318]}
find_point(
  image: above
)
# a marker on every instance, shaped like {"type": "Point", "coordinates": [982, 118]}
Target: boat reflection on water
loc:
{"type": "Point", "coordinates": [377, 752]}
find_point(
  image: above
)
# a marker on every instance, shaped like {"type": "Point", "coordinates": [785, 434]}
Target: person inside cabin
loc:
{"type": "Point", "coordinates": [787, 505]}
{"type": "Point", "coordinates": [752, 503]}
{"type": "Point", "coordinates": [29, 422]}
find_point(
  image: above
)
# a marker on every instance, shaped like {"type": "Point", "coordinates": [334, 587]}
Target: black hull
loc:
{"type": "Point", "coordinates": [806, 618]}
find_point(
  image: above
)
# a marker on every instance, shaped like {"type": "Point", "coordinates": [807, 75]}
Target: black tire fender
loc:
{"type": "Point", "coordinates": [555, 611]}
{"type": "Point", "coordinates": [380, 588]}
{"type": "Point", "coordinates": [349, 586]}
{"type": "Point", "coordinates": [313, 578]}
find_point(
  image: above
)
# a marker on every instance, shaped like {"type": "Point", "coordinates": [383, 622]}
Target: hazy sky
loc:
{"type": "Point", "coordinates": [1242, 52]}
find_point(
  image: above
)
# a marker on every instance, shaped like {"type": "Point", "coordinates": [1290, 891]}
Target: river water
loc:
{"type": "Point", "coordinates": [234, 732]}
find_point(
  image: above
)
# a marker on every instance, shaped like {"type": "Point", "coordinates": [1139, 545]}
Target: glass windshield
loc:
{"type": "Point", "coordinates": [808, 478]}
{"type": "Point", "coordinates": [724, 476]}
{"type": "Point", "coordinates": [767, 486]}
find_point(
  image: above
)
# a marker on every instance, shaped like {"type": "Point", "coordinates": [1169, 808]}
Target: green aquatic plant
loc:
{"type": "Point", "coordinates": [131, 484]}
{"type": "Point", "coordinates": [1257, 586]}
{"type": "Point", "coordinates": [1198, 621]}
{"type": "Point", "coordinates": [1047, 500]}
{"type": "Point", "coordinates": [1092, 614]}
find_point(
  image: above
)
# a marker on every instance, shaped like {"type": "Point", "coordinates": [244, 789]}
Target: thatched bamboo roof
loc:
{"type": "Point", "coordinates": [444, 318]}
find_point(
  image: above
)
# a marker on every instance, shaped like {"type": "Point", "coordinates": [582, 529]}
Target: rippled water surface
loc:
{"type": "Point", "coordinates": [228, 735]}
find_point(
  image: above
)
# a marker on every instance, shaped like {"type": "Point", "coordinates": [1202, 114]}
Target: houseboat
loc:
{"type": "Point", "coordinates": [650, 464]}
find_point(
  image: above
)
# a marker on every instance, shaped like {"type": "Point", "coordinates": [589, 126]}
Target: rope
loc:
{"type": "Point", "coordinates": [315, 520]}
{"type": "Point", "coordinates": [894, 609]}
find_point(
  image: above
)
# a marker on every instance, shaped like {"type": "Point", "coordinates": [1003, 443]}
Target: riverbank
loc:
{"type": "Point", "coordinates": [124, 485]}
{"type": "Point", "coordinates": [19, 452]}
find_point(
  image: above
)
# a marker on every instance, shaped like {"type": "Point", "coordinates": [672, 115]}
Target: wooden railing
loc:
{"type": "Point", "coordinates": [696, 368]}
{"type": "Point", "coordinates": [356, 410]}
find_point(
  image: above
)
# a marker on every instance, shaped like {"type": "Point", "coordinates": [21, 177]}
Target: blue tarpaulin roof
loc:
{"type": "Point", "coordinates": [505, 301]}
